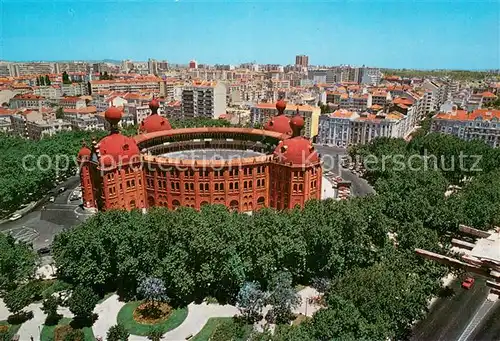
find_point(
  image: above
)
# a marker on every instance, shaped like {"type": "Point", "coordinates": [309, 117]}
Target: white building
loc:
{"type": "Point", "coordinates": [204, 99]}
{"type": "Point", "coordinates": [481, 124]}
{"type": "Point", "coordinates": [343, 128]}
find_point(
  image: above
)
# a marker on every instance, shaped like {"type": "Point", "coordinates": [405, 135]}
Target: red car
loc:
{"type": "Point", "coordinates": [468, 283]}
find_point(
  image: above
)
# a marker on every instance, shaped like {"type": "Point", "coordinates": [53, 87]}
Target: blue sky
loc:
{"type": "Point", "coordinates": [400, 33]}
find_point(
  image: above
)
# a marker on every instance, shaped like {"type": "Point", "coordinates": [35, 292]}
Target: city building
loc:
{"type": "Point", "coordinates": [37, 130]}
{"type": "Point", "coordinates": [481, 124]}
{"type": "Point", "coordinates": [343, 128]}
{"type": "Point", "coordinates": [171, 168]}
{"type": "Point", "coordinates": [302, 61]}
{"type": "Point", "coordinates": [263, 112]}
{"type": "Point", "coordinates": [84, 118]}
{"type": "Point", "coordinates": [335, 128]}
{"type": "Point", "coordinates": [75, 89]}
{"type": "Point", "coordinates": [193, 64]}
{"type": "Point", "coordinates": [29, 101]}
{"type": "Point", "coordinates": [48, 91]}
{"type": "Point", "coordinates": [204, 99]}
{"type": "Point", "coordinates": [151, 84]}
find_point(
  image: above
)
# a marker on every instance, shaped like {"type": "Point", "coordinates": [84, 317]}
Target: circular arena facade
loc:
{"type": "Point", "coordinates": [243, 169]}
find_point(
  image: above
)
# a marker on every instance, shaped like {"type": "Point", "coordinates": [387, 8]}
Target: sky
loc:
{"type": "Point", "coordinates": [454, 34]}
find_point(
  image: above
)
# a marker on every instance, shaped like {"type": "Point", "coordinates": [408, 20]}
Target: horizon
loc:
{"type": "Point", "coordinates": [434, 36]}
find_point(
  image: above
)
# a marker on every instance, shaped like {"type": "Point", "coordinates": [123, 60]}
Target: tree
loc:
{"type": "Point", "coordinates": [155, 333]}
{"type": "Point", "coordinates": [321, 284]}
{"type": "Point", "coordinates": [37, 81]}
{"type": "Point", "coordinates": [117, 333]}
{"type": "Point", "coordinates": [154, 292]}
{"type": "Point", "coordinates": [251, 300]}
{"type": "Point", "coordinates": [17, 299]}
{"type": "Point", "coordinates": [49, 307]}
{"type": "Point", "coordinates": [65, 78]}
{"type": "Point", "coordinates": [82, 302]}
{"type": "Point", "coordinates": [17, 261]}
{"type": "Point", "coordinates": [47, 80]}
{"type": "Point", "coordinates": [282, 296]}
{"type": "Point", "coordinates": [60, 113]}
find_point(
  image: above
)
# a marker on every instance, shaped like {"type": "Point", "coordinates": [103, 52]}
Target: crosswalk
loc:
{"type": "Point", "coordinates": [22, 234]}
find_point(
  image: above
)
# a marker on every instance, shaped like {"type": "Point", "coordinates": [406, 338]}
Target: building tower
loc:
{"type": "Point", "coordinates": [112, 176]}
{"type": "Point", "coordinates": [280, 123]}
{"type": "Point", "coordinates": [302, 61]}
{"type": "Point", "coordinates": [296, 171]}
{"type": "Point", "coordinates": [85, 176]}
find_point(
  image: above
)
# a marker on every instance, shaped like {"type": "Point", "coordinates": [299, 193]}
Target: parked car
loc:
{"type": "Point", "coordinates": [15, 217]}
{"type": "Point", "coordinates": [62, 189]}
{"type": "Point", "coordinates": [468, 283]}
{"type": "Point", "coordinates": [51, 199]}
{"type": "Point", "coordinates": [44, 251]}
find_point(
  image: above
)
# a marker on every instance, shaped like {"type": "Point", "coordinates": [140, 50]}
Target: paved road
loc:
{"type": "Point", "coordinates": [47, 219]}
{"type": "Point", "coordinates": [450, 316]}
{"type": "Point", "coordinates": [489, 328]}
{"type": "Point", "coordinates": [332, 157]}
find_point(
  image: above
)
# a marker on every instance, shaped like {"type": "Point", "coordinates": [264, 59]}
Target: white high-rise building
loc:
{"type": "Point", "coordinates": [204, 99]}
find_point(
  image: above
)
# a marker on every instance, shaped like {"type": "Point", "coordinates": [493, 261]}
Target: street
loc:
{"type": "Point", "coordinates": [489, 328]}
{"type": "Point", "coordinates": [332, 157]}
{"type": "Point", "coordinates": [47, 219]}
{"type": "Point", "coordinates": [449, 316]}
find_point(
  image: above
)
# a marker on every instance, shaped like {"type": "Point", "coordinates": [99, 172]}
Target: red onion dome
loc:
{"type": "Point", "coordinates": [154, 123]}
{"type": "Point", "coordinates": [84, 152]}
{"type": "Point", "coordinates": [296, 150]}
{"type": "Point", "coordinates": [281, 106]}
{"type": "Point", "coordinates": [279, 124]}
{"type": "Point", "coordinates": [113, 115]}
{"type": "Point", "coordinates": [116, 148]}
{"type": "Point", "coordinates": [154, 104]}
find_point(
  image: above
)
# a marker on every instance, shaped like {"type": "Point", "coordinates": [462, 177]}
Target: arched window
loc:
{"type": "Point", "coordinates": [175, 204]}
{"type": "Point", "coordinates": [132, 204]}
{"type": "Point", "coordinates": [234, 205]}
{"type": "Point", "coordinates": [203, 203]}
{"type": "Point", "coordinates": [260, 202]}
{"type": "Point", "coordinates": [151, 201]}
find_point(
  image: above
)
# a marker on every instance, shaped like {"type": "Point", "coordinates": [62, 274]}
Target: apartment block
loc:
{"type": "Point", "coordinates": [48, 91]}
{"type": "Point", "coordinates": [83, 118]}
{"type": "Point", "coordinates": [343, 128]}
{"type": "Point", "coordinates": [127, 85]}
{"type": "Point", "coordinates": [481, 124]}
{"type": "Point", "coordinates": [204, 99]}
{"type": "Point", "coordinates": [29, 101]}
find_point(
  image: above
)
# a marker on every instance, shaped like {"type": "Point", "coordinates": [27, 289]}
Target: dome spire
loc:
{"type": "Point", "coordinates": [113, 115]}
{"type": "Point", "coordinates": [154, 105]}
{"type": "Point", "coordinates": [281, 106]}
{"type": "Point", "coordinates": [296, 123]}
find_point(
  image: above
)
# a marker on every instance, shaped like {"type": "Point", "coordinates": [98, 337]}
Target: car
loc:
{"type": "Point", "coordinates": [15, 217]}
{"type": "Point", "coordinates": [51, 199]}
{"type": "Point", "coordinates": [468, 283]}
{"type": "Point", "coordinates": [44, 251]}
{"type": "Point", "coordinates": [62, 189]}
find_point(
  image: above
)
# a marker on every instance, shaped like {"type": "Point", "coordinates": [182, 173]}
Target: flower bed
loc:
{"type": "Point", "coordinates": [136, 324]}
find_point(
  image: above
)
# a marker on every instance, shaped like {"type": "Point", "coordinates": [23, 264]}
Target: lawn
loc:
{"type": "Point", "coordinates": [48, 331]}
{"type": "Point", "coordinates": [13, 328]}
{"type": "Point", "coordinates": [125, 317]}
{"type": "Point", "coordinates": [209, 328]}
